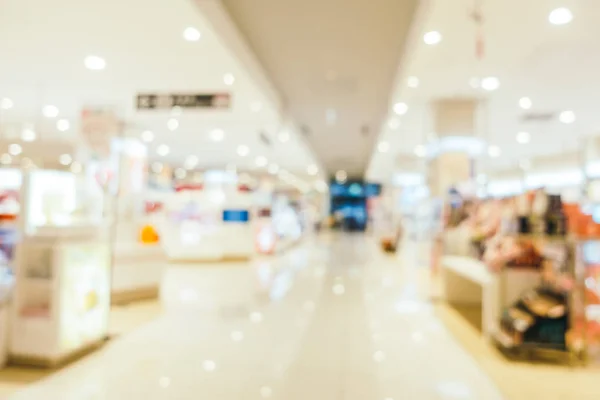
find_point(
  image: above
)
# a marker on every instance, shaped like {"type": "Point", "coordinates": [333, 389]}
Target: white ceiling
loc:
{"type": "Point", "coordinates": [43, 45]}
{"type": "Point", "coordinates": [556, 66]}
{"type": "Point", "coordinates": [333, 57]}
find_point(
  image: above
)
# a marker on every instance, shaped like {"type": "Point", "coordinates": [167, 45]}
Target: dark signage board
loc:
{"type": "Point", "coordinates": [149, 101]}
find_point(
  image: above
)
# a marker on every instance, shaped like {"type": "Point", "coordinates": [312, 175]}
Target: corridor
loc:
{"type": "Point", "coordinates": [332, 319]}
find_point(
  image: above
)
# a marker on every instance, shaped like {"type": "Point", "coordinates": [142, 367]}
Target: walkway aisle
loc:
{"type": "Point", "coordinates": [333, 319]}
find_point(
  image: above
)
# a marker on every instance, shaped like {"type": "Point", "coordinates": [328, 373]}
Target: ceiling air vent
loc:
{"type": "Point", "coordinates": [538, 117]}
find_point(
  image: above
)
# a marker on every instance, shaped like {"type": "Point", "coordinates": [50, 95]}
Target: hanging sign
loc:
{"type": "Point", "coordinates": [166, 101]}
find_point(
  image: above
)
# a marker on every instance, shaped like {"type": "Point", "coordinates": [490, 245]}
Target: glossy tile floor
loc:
{"type": "Point", "coordinates": [331, 319]}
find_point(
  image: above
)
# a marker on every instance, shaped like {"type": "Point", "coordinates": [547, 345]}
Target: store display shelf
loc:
{"type": "Point", "coordinates": [537, 351]}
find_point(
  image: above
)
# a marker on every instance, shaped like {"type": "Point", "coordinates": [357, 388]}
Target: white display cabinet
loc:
{"type": "Point", "coordinates": [61, 300]}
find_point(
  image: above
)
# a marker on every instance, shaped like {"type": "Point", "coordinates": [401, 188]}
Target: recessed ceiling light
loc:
{"type": "Point", "coordinates": [209, 365]}
{"type": "Point", "coordinates": [284, 136]}
{"type": "Point", "coordinates": [65, 159]}
{"type": "Point", "coordinates": [191, 34]}
{"type": "Point", "coordinates": [157, 167]}
{"type": "Point", "coordinates": [172, 124]}
{"type": "Point", "coordinates": [76, 167]}
{"type": "Point", "coordinates": [433, 37]}
{"type": "Point", "coordinates": [180, 173]}
{"type": "Point", "coordinates": [525, 103]}
{"type": "Point", "coordinates": [176, 111]}
{"type": "Point", "coordinates": [191, 162]}
{"type": "Point", "coordinates": [5, 159]}
{"type": "Point", "coordinates": [523, 137]}
{"type": "Point", "coordinates": [15, 149]}
{"type": "Point", "coordinates": [494, 151]}
{"type": "Point", "coordinates": [162, 150]}
{"type": "Point", "coordinates": [50, 111]}
{"type": "Point", "coordinates": [383, 147]}
{"type": "Point", "coordinates": [412, 82]}
{"type": "Point", "coordinates": [148, 136]}
{"type": "Point", "coordinates": [331, 116]}
{"type": "Point", "coordinates": [312, 169]}
{"type": "Point", "coordinates": [341, 176]}
{"type": "Point", "coordinates": [420, 151]}
{"type": "Point", "coordinates": [256, 106]}
{"type": "Point", "coordinates": [273, 169]}
{"type": "Point", "coordinates": [229, 79]}
{"type": "Point", "coordinates": [394, 123]}
{"type": "Point", "coordinates": [400, 108]}
{"type": "Point", "coordinates": [28, 135]}
{"type": "Point", "coordinates": [94, 63]}
{"type": "Point", "coordinates": [243, 150]}
{"type": "Point", "coordinates": [217, 135]}
{"type": "Point", "coordinates": [266, 392]}
{"type": "Point", "coordinates": [6, 103]}
{"type": "Point", "coordinates": [560, 16]}
{"type": "Point", "coordinates": [261, 161]}
{"type": "Point", "coordinates": [490, 83]}
{"type": "Point", "coordinates": [567, 117]}
{"type": "Point", "coordinates": [63, 125]}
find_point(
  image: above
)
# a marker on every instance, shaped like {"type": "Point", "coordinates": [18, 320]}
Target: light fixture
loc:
{"type": "Point", "coordinates": [176, 111]}
{"type": "Point", "coordinates": [420, 151]}
{"type": "Point", "coordinates": [217, 135]}
{"type": "Point", "coordinates": [164, 382]}
{"type": "Point", "coordinates": [383, 147]}
{"type": "Point", "coordinates": [172, 124]}
{"type": "Point", "coordinates": [94, 63]}
{"type": "Point", "coordinates": [162, 150]}
{"type": "Point", "coordinates": [400, 108]}
{"type": "Point", "coordinates": [490, 83]}
{"type": "Point", "coordinates": [191, 162]}
{"type": "Point", "coordinates": [229, 79]}
{"type": "Point", "coordinates": [312, 170]}
{"type": "Point", "coordinates": [413, 82]}
{"type": "Point", "coordinates": [331, 116]}
{"type": "Point", "coordinates": [567, 117]}
{"type": "Point", "coordinates": [256, 317]}
{"type": "Point", "coordinates": [525, 103]}
{"type": "Point", "coordinates": [209, 365]}
{"type": "Point", "coordinates": [5, 159]}
{"type": "Point", "coordinates": [261, 161]}
{"type": "Point", "coordinates": [338, 289]}
{"type": "Point", "coordinates": [191, 34]}
{"type": "Point", "coordinates": [243, 150]}
{"type": "Point", "coordinates": [65, 159]}
{"type": "Point", "coordinates": [6, 103]}
{"type": "Point", "coordinates": [284, 136]}
{"type": "Point", "coordinates": [50, 111]}
{"type": "Point", "coordinates": [180, 173]}
{"type": "Point", "coordinates": [28, 135]}
{"type": "Point", "coordinates": [76, 167]}
{"type": "Point", "coordinates": [15, 149]}
{"type": "Point", "coordinates": [273, 169]}
{"type": "Point", "coordinates": [148, 136]}
{"type": "Point", "coordinates": [494, 151]}
{"type": "Point", "coordinates": [256, 106]}
{"type": "Point", "coordinates": [433, 37]}
{"type": "Point", "coordinates": [341, 176]}
{"type": "Point", "coordinates": [560, 16]}
{"type": "Point", "coordinates": [523, 137]}
{"type": "Point", "coordinates": [394, 123]}
{"type": "Point", "coordinates": [237, 336]}
{"type": "Point", "coordinates": [157, 167]}
{"type": "Point", "coordinates": [63, 125]}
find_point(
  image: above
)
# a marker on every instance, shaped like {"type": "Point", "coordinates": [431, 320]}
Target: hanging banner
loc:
{"type": "Point", "coordinates": [166, 101]}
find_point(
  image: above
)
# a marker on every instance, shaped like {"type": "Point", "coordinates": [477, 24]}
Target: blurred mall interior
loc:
{"type": "Point", "coordinates": [299, 199]}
